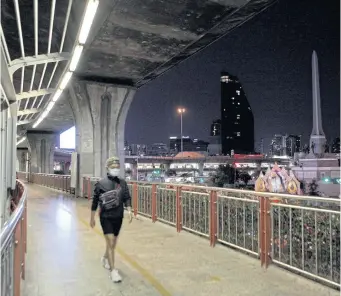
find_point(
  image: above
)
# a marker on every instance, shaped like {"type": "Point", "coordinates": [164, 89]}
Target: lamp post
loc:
{"type": "Point", "coordinates": [181, 111]}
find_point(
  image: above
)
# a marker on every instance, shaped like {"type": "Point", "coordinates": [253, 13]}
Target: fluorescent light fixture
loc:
{"type": "Point", "coordinates": [50, 106]}
{"type": "Point", "coordinates": [56, 95]}
{"type": "Point", "coordinates": [22, 140]}
{"type": "Point", "coordinates": [44, 114]}
{"type": "Point", "coordinates": [37, 122]}
{"type": "Point", "coordinates": [65, 80]}
{"type": "Point", "coordinates": [75, 57]}
{"type": "Point", "coordinates": [90, 12]}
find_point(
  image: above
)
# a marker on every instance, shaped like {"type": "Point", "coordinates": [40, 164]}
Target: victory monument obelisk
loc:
{"type": "Point", "coordinates": [317, 137]}
{"type": "Point", "coordinates": [318, 165]}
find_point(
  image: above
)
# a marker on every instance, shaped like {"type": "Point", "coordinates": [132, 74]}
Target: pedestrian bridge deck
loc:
{"type": "Point", "coordinates": [63, 258]}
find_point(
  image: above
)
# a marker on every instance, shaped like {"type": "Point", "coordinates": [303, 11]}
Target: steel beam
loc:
{"type": "Point", "coordinates": [35, 93]}
{"type": "Point", "coordinates": [22, 122]}
{"type": "Point", "coordinates": [29, 111]}
{"type": "Point", "coordinates": [6, 79]}
{"type": "Point", "coordinates": [37, 60]}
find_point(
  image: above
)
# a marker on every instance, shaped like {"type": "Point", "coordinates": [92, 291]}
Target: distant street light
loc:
{"type": "Point", "coordinates": [181, 111]}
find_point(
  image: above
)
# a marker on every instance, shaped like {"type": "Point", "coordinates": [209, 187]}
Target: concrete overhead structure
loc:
{"type": "Point", "coordinates": [41, 147]}
{"type": "Point", "coordinates": [22, 158]}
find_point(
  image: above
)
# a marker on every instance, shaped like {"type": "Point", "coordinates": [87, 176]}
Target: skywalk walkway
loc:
{"type": "Point", "coordinates": [63, 258]}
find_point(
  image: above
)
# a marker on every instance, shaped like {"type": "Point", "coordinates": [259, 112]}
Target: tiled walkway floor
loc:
{"type": "Point", "coordinates": [63, 258]}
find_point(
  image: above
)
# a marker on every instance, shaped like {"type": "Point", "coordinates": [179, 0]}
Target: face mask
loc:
{"type": "Point", "coordinates": [114, 172]}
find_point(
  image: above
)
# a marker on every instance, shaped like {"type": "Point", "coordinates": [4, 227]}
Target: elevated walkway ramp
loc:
{"type": "Point", "coordinates": [63, 258]}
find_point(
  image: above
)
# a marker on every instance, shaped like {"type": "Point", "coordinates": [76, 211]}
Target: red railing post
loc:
{"type": "Point", "coordinates": [89, 188]}
{"type": "Point", "coordinates": [213, 218]}
{"type": "Point", "coordinates": [84, 188]}
{"type": "Point", "coordinates": [25, 227]}
{"type": "Point", "coordinates": [17, 259]}
{"type": "Point", "coordinates": [135, 194]}
{"type": "Point", "coordinates": [154, 191]}
{"type": "Point", "coordinates": [265, 231]}
{"type": "Point", "coordinates": [23, 246]}
{"type": "Point", "coordinates": [178, 209]}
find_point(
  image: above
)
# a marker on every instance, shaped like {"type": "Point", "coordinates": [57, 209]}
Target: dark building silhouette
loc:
{"type": "Point", "coordinates": [285, 145]}
{"type": "Point", "coordinates": [336, 145]}
{"type": "Point", "coordinates": [188, 144]}
{"type": "Point", "coordinates": [293, 144]}
{"type": "Point", "coordinates": [237, 124]}
{"type": "Point", "coordinates": [216, 128]}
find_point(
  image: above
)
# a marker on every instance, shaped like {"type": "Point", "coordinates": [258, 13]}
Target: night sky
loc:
{"type": "Point", "coordinates": [271, 55]}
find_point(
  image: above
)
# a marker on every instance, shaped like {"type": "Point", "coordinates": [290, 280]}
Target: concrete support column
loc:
{"type": "Point", "coordinates": [100, 112]}
{"type": "Point", "coordinates": [258, 166]}
{"type": "Point", "coordinates": [201, 168]}
{"type": "Point", "coordinates": [41, 148]}
{"type": "Point", "coordinates": [21, 158]}
{"type": "Point", "coordinates": [134, 171]}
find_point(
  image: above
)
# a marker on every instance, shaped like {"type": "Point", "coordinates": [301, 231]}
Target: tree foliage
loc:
{"type": "Point", "coordinates": [170, 172]}
{"type": "Point", "coordinates": [245, 177]}
{"type": "Point", "coordinates": [226, 174]}
{"type": "Point", "coordinates": [313, 188]}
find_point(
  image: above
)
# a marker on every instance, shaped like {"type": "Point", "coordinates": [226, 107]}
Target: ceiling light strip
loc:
{"type": "Point", "coordinates": [87, 21]}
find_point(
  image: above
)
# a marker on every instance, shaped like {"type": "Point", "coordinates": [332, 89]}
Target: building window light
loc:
{"type": "Point", "coordinates": [238, 92]}
{"type": "Point", "coordinates": [238, 116]}
{"type": "Point", "coordinates": [232, 98]}
{"type": "Point", "coordinates": [238, 134]}
{"type": "Point", "coordinates": [238, 103]}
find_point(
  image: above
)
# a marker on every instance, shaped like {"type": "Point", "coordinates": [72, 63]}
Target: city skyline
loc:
{"type": "Point", "coordinates": [274, 67]}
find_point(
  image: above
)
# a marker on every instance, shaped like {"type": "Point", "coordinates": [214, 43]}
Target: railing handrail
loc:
{"type": "Point", "coordinates": [10, 225]}
{"type": "Point", "coordinates": [220, 189]}
{"type": "Point", "coordinates": [44, 174]}
{"type": "Point", "coordinates": [260, 194]}
{"type": "Point", "coordinates": [265, 194]}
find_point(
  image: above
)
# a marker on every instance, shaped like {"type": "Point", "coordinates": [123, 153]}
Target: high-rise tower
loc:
{"type": "Point", "coordinates": [237, 124]}
{"type": "Point", "coordinates": [317, 137]}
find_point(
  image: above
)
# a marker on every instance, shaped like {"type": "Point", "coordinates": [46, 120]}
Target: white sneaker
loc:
{"type": "Point", "coordinates": [115, 276]}
{"type": "Point", "coordinates": [105, 263]}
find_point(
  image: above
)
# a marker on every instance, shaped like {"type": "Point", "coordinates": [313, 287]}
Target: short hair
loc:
{"type": "Point", "coordinates": [112, 160]}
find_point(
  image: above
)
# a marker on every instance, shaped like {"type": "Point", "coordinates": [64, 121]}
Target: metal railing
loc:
{"type": "Point", "coordinates": [13, 239]}
{"type": "Point", "coordinates": [59, 182]}
{"type": "Point", "coordinates": [299, 233]}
